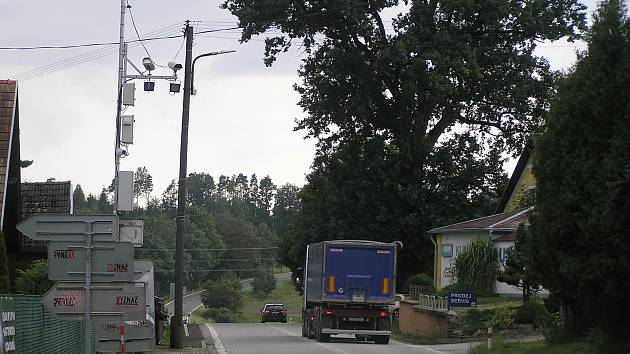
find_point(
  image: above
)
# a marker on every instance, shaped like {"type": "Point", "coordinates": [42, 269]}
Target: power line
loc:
{"type": "Point", "coordinates": [133, 22]}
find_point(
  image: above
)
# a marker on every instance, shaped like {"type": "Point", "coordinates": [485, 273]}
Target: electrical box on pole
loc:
{"type": "Point", "coordinates": [129, 94]}
{"type": "Point", "coordinates": [126, 130]}
{"type": "Point", "coordinates": [125, 190]}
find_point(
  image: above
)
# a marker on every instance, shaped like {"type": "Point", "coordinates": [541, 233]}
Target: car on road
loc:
{"type": "Point", "coordinates": [273, 313]}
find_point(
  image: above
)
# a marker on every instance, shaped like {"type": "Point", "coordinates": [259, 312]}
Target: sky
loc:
{"type": "Point", "coordinates": [241, 120]}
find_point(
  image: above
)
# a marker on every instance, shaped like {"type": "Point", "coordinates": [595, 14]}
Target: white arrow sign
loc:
{"type": "Point", "coordinates": [68, 227]}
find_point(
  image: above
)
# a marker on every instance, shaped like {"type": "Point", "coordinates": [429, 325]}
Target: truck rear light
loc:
{"type": "Point", "coordinates": [383, 314]}
{"type": "Point", "coordinates": [311, 318]}
{"type": "Point", "coordinates": [328, 312]}
{"type": "Point", "coordinates": [385, 286]}
{"type": "Point", "coordinates": [331, 284]}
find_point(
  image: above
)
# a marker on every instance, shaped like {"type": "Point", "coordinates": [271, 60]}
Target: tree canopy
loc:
{"type": "Point", "coordinates": [387, 95]}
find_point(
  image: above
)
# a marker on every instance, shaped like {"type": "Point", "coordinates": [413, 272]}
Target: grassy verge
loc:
{"type": "Point", "coordinates": [284, 293]}
{"type": "Point", "coordinates": [499, 346]}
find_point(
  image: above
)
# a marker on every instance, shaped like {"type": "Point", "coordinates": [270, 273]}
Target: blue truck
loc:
{"type": "Point", "coordinates": [348, 288]}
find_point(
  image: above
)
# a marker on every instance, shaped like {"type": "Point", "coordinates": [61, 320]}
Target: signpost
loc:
{"type": "Point", "coordinates": [111, 261]}
{"type": "Point", "coordinates": [85, 254]}
{"type": "Point", "coordinates": [462, 300]}
{"type": "Point", "coordinates": [112, 301]}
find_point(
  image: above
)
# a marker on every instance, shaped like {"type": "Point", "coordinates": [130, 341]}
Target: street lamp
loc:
{"type": "Point", "coordinates": [177, 323]}
{"type": "Point", "coordinates": [192, 74]}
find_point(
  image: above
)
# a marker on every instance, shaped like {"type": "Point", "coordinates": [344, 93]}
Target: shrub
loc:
{"type": "Point", "coordinates": [473, 321]}
{"type": "Point", "coordinates": [263, 284]}
{"type": "Point", "coordinates": [501, 317]}
{"type": "Point", "coordinates": [533, 312]}
{"type": "Point", "coordinates": [223, 293]}
{"type": "Point", "coordinates": [477, 266]}
{"type": "Point", "coordinates": [222, 315]}
{"type": "Point", "coordinates": [34, 279]}
{"type": "Point", "coordinates": [421, 279]}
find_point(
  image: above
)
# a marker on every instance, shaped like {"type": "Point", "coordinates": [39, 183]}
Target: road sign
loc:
{"type": "Point", "coordinates": [144, 273]}
{"type": "Point", "coordinates": [110, 301]}
{"type": "Point", "coordinates": [462, 300]}
{"type": "Point", "coordinates": [139, 336]}
{"type": "Point", "coordinates": [68, 227]}
{"type": "Point", "coordinates": [111, 261]}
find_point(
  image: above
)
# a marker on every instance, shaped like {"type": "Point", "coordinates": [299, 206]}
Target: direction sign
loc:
{"type": "Point", "coordinates": [110, 301]}
{"type": "Point", "coordinates": [68, 227]}
{"type": "Point", "coordinates": [111, 261]}
{"type": "Point", "coordinates": [144, 273]}
{"type": "Point", "coordinates": [139, 336]}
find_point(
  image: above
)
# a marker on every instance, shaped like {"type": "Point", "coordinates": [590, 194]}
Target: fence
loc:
{"type": "Point", "coordinates": [433, 302]}
{"type": "Point", "coordinates": [36, 331]}
{"type": "Point", "coordinates": [421, 289]}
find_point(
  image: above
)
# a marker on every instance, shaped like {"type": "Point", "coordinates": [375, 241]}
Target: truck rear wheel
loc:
{"type": "Point", "coordinates": [321, 337]}
{"type": "Point", "coordinates": [304, 328]}
{"type": "Point", "coordinates": [381, 339]}
{"type": "Point", "coordinates": [309, 330]}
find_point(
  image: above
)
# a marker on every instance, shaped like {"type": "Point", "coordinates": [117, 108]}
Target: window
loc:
{"type": "Point", "coordinates": [447, 250]}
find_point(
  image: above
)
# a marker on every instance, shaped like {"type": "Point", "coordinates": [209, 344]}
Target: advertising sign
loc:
{"type": "Point", "coordinates": [110, 301]}
{"type": "Point", "coordinates": [462, 300]}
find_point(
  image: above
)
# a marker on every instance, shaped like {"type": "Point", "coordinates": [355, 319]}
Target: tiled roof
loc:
{"type": "Point", "coordinates": [8, 91]}
{"type": "Point", "coordinates": [499, 222]}
{"type": "Point", "coordinates": [44, 198]}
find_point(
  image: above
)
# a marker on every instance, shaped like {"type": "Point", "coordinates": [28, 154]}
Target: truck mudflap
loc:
{"type": "Point", "coordinates": [365, 332]}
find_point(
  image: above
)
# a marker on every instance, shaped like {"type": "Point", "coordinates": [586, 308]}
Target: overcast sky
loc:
{"type": "Point", "coordinates": [241, 119]}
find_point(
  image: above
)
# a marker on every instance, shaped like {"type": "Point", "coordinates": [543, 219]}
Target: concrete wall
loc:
{"type": "Point", "coordinates": [422, 322]}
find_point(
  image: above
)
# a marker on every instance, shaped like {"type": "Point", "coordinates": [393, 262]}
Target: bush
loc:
{"type": "Point", "coordinates": [477, 266]}
{"type": "Point", "coordinates": [34, 280]}
{"type": "Point", "coordinates": [501, 317]}
{"type": "Point", "coordinates": [421, 279]}
{"type": "Point", "coordinates": [222, 315]}
{"type": "Point", "coordinates": [223, 293]}
{"type": "Point", "coordinates": [533, 312]}
{"type": "Point", "coordinates": [263, 284]}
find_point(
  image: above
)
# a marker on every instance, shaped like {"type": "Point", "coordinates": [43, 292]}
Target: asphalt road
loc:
{"type": "Point", "coordinates": [193, 300]}
{"type": "Point", "coordinates": [277, 338]}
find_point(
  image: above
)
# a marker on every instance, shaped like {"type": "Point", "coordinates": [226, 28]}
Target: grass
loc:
{"type": "Point", "coordinates": [284, 293]}
{"type": "Point", "coordinates": [499, 346]}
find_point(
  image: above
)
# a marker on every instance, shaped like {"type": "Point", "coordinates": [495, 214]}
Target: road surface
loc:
{"type": "Point", "coordinates": [193, 300]}
{"type": "Point", "coordinates": [278, 338]}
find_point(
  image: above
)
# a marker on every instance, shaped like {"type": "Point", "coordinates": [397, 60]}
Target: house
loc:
{"type": "Point", "coordinates": [451, 240]}
{"type": "Point", "coordinates": [9, 163]}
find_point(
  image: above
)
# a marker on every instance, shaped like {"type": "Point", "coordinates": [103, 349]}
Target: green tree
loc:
{"type": "Point", "coordinates": [223, 293]}
{"type": "Point", "coordinates": [263, 284]}
{"type": "Point", "coordinates": [34, 280]}
{"type": "Point", "coordinates": [581, 164]}
{"type": "Point", "coordinates": [519, 268]}
{"type": "Point", "coordinates": [104, 206]}
{"type": "Point", "coordinates": [5, 286]}
{"type": "Point", "coordinates": [78, 198]}
{"type": "Point", "coordinates": [200, 188]}
{"type": "Point", "coordinates": [393, 93]}
{"type": "Point", "coordinates": [169, 198]}
{"type": "Point", "coordinates": [142, 184]}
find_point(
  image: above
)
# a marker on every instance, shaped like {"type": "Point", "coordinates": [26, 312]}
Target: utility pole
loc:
{"type": "Point", "coordinates": [176, 322]}
{"type": "Point", "coordinates": [122, 55]}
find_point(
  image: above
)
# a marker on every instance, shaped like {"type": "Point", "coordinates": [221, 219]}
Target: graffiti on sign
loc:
{"type": "Point", "coordinates": [69, 299]}
{"type": "Point", "coordinates": [127, 300]}
{"type": "Point", "coordinates": [117, 267]}
{"type": "Point", "coordinates": [63, 254]}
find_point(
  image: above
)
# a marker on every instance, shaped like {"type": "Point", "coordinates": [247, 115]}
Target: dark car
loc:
{"type": "Point", "coordinates": [273, 313]}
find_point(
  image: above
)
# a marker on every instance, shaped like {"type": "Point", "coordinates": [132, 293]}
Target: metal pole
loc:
{"type": "Point", "coordinates": [176, 322]}
{"type": "Point", "coordinates": [88, 286]}
{"type": "Point", "coordinates": [121, 73]}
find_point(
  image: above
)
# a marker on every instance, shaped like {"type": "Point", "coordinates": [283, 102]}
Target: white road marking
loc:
{"type": "Point", "coordinates": [218, 345]}
{"type": "Point", "coordinates": [195, 309]}
{"type": "Point", "coordinates": [197, 292]}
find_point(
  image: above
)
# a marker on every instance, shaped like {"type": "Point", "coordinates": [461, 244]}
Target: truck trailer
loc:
{"type": "Point", "coordinates": [348, 288]}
